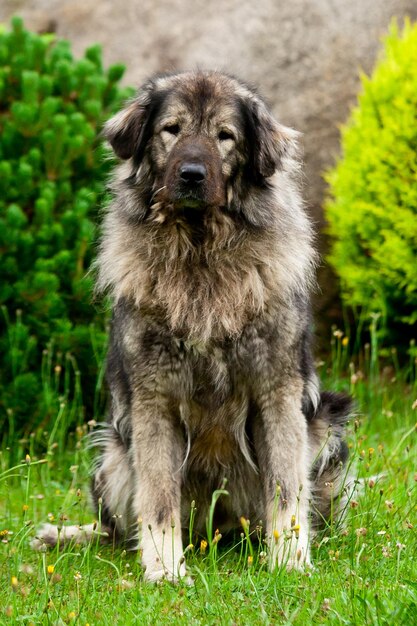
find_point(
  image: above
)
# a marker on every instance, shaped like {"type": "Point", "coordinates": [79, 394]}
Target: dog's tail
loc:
{"type": "Point", "coordinates": [329, 474]}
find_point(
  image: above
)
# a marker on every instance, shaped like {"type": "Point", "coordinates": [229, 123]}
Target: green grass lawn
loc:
{"type": "Point", "coordinates": [365, 571]}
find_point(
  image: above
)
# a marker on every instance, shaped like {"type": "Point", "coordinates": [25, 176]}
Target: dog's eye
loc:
{"type": "Point", "coordinates": [172, 129]}
{"type": "Point", "coordinates": [224, 135]}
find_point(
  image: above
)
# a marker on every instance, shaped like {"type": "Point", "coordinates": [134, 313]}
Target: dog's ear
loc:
{"type": "Point", "coordinates": [129, 131]}
{"type": "Point", "coordinates": [269, 142]}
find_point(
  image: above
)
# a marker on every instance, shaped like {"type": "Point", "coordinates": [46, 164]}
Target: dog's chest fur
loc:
{"type": "Point", "coordinates": [208, 385]}
{"type": "Point", "coordinates": [216, 411]}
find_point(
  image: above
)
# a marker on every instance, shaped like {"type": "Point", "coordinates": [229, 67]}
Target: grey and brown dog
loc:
{"type": "Point", "coordinates": [207, 253]}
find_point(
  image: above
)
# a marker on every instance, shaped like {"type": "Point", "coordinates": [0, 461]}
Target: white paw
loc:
{"type": "Point", "coordinates": [290, 552]}
{"type": "Point", "coordinates": [46, 537]}
{"type": "Point", "coordinates": [154, 573]}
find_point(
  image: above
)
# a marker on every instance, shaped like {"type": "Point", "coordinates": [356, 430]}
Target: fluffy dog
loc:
{"type": "Point", "coordinates": [207, 253]}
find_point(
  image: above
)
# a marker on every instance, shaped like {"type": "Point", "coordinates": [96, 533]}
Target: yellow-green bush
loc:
{"type": "Point", "coordinates": [372, 205]}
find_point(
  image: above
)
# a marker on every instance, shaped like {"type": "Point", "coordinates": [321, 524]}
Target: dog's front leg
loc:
{"type": "Point", "coordinates": [158, 447]}
{"type": "Point", "coordinates": [282, 450]}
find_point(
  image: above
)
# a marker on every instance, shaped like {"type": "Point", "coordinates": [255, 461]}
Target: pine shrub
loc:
{"type": "Point", "coordinates": [53, 167]}
{"type": "Point", "coordinates": [372, 205]}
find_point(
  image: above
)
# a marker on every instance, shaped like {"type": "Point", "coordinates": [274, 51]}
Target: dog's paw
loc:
{"type": "Point", "coordinates": [297, 563]}
{"type": "Point", "coordinates": [290, 553]}
{"type": "Point", "coordinates": [47, 536]}
{"type": "Point", "coordinates": [155, 573]}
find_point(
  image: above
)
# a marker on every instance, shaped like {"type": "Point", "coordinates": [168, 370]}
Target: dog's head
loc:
{"type": "Point", "coordinates": [198, 139]}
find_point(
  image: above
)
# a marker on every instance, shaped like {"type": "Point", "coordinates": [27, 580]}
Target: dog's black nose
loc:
{"type": "Point", "coordinates": [192, 173]}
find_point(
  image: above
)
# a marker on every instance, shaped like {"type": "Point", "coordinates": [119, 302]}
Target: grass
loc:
{"type": "Point", "coordinates": [365, 571]}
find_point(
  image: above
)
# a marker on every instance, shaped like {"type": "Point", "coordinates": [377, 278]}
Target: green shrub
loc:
{"type": "Point", "coordinates": [52, 168]}
{"type": "Point", "coordinates": [372, 208]}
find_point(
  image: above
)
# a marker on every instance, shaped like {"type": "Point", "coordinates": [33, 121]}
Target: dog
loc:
{"type": "Point", "coordinates": [208, 255]}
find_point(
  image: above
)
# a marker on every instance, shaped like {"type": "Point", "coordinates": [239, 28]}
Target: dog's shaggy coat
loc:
{"type": "Point", "coordinates": [207, 254]}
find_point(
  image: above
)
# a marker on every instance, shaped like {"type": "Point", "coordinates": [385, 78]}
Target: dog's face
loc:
{"type": "Point", "coordinates": [198, 139]}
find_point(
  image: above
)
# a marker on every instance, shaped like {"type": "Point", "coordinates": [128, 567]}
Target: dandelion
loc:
{"type": "Point", "coordinates": [338, 334]}
{"type": "Point", "coordinates": [217, 537]}
{"type": "Point", "coordinates": [371, 451]}
{"type": "Point", "coordinates": [50, 569]}
{"type": "Point", "coordinates": [386, 552]}
{"type": "Point", "coordinates": [262, 557]}
{"type": "Point", "coordinates": [51, 517]}
{"type": "Point", "coordinates": [126, 584]}
{"type": "Point", "coordinates": [276, 535]}
{"type": "Point", "coordinates": [345, 341]}
{"type": "Point", "coordinates": [203, 546]}
{"type": "Point", "coordinates": [14, 583]}
{"type": "Point", "coordinates": [296, 530]}
{"type": "Point", "coordinates": [250, 561]}
{"type": "Point", "coordinates": [77, 576]}
{"type": "Point", "coordinates": [72, 615]}
{"type": "Point", "coordinates": [244, 523]}
{"type": "Point", "coordinates": [25, 508]}
{"type": "Point", "coordinates": [27, 459]}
